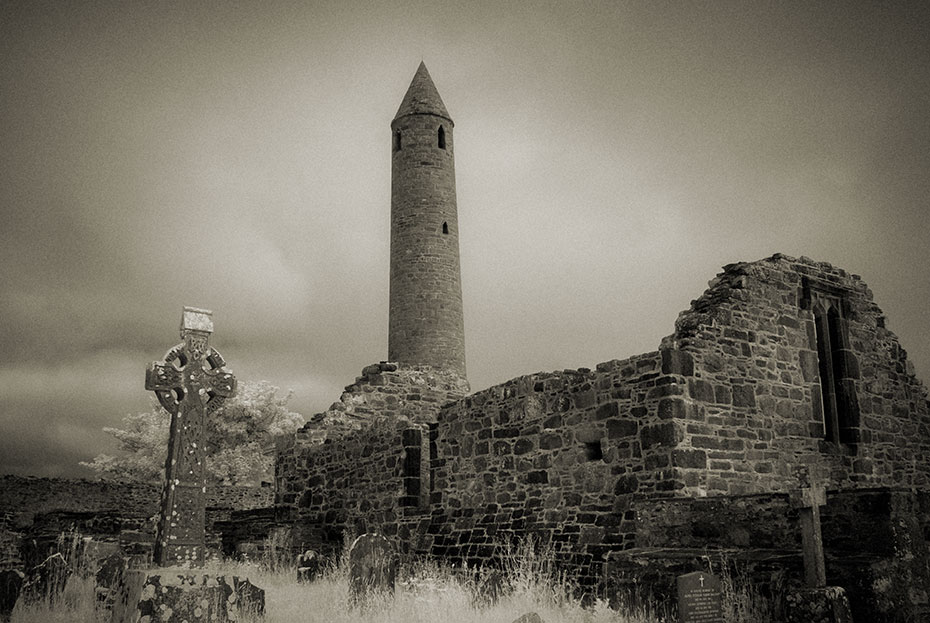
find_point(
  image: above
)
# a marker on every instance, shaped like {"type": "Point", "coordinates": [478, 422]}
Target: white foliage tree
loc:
{"type": "Point", "coordinates": [239, 439]}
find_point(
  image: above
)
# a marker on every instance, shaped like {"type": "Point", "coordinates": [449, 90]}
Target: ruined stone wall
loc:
{"type": "Point", "coordinates": [730, 405]}
{"type": "Point", "coordinates": [350, 484]}
{"type": "Point", "coordinates": [386, 390]}
{"type": "Point", "coordinates": [28, 496]}
{"type": "Point", "coordinates": [557, 455]}
{"type": "Point", "coordinates": [42, 508]}
{"type": "Point", "coordinates": [873, 544]}
{"type": "Point", "coordinates": [352, 468]}
{"type": "Point", "coordinates": [754, 401]}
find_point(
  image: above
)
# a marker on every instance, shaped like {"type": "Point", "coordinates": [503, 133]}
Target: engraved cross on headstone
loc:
{"type": "Point", "coordinates": [808, 500]}
{"type": "Point", "coordinates": [190, 384]}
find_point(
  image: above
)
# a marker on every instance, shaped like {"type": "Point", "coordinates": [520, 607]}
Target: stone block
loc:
{"type": "Point", "coordinates": [664, 434]}
{"type": "Point", "coordinates": [671, 408]}
{"type": "Point", "coordinates": [744, 396]}
{"type": "Point", "coordinates": [696, 459]}
{"type": "Point", "coordinates": [626, 484]}
{"type": "Point", "coordinates": [677, 362]}
{"type": "Point", "coordinates": [606, 411]}
{"type": "Point", "coordinates": [176, 594]}
{"type": "Point", "coordinates": [809, 365]}
{"type": "Point", "coordinates": [621, 428]}
{"type": "Point", "coordinates": [818, 605]}
{"type": "Point", "coordinates": [701, 390]}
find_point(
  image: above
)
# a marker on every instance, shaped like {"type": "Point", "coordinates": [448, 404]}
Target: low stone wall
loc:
{"type": "Point", "coordinates": [42, 508]}
{"type": "Point", "coordinates": [873, 543]}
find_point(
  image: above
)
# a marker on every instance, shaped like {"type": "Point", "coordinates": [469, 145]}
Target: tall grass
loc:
{"type": "Point", "coordinates": [426, 591]}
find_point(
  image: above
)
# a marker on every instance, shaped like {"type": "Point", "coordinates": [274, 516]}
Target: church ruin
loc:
{"type": "Point", "coordinates": [639, 467]}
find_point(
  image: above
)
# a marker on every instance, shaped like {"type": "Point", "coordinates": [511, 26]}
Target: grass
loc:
{"type": "Point", "coordinates": [426, 591]}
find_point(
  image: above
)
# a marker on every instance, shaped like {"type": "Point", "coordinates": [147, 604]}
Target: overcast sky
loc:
{"type": "Point", "coordinates": [610, 158]}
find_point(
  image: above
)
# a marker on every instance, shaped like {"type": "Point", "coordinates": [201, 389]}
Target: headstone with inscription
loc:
{"type": "Point", "coordinates": [699, 598]}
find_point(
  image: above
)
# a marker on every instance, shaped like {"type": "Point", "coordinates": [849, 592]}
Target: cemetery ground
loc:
{"type": "Point", "coordinates": [426, 591]}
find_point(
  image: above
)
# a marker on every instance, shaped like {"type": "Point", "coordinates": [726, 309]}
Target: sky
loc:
{"type": "Point", "coordinates": [611, 157]}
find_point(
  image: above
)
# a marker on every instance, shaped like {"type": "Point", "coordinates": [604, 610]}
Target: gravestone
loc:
{"type": "Point", "coordinates": [816, 602]}
{"type": "Point", "coordinates": [191, 383]}
{"type": "Point", "coordinates": [309, 566]}
{"type": "Point", "coordinates": [372, 566]}
{"type": "Point", "coordinates": [699, 598]}
{"type": "Point", "coordinates": [11, 582]}
{"type": "Point", "coordinates": [109, 574]}
{"type": "Point", "coordinates": [808, 500]}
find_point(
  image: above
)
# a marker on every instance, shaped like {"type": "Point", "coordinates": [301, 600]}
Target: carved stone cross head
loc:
{"type": "Point", "coordinates": [192, 370]}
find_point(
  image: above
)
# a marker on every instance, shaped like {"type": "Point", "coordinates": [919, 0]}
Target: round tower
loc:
{"type": "Point", "coordinates": [426, 324]}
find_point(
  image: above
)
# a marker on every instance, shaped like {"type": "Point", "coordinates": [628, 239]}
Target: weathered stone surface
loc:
{"type": "Point", "coordinates": [108, 576]}
{"type": "Point", "coordinates": [425, 330]}
{"type": "Point", "coordinates": [11, 583]}
{"type": "Point", "coordinates": [818, 605]}
{"type": "Point", "coordinates": [170, 595]}
{"type": "Point", "coordinates": [724, 407]}
{"type": "Point", "coordinates": [190, 383]}
{"type": "Point", "coordinates": [372, 565]}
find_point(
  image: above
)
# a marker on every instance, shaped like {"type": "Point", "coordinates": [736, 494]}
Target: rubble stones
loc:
{"type": "Point", "coordinates": [168, 595]}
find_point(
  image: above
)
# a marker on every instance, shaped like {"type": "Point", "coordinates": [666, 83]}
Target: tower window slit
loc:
{"type": "Point", "coordinates": [445, 228]}
{"type": "Point", "coordinates": [397, 140]}
{"type": "Point", "coordinates": [442, 138]}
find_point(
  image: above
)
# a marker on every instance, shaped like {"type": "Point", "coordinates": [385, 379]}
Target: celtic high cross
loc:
{"type": "Point", "coordinates": [190, 384]}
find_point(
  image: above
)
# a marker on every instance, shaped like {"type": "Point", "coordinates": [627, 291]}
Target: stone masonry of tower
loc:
{"type": "Point", "coordinates": [426, 324]}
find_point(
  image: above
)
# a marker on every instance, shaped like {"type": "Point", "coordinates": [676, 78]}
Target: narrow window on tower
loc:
{"type": "Point", "coordinates": [397, 140]}
{"type": "Point", "coordinates": [445, 228]}
{"type": "Point", "coordinates": [442, 138]}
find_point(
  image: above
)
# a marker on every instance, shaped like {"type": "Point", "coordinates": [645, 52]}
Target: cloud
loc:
{"type": "Point", "coordinates": [610, 158]}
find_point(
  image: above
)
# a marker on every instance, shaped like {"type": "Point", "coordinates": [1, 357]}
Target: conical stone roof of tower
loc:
{"type": "Point", "coordinates": [422, 98]}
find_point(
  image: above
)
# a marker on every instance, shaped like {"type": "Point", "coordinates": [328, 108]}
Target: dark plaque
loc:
{"type": "Point", "coordinates": [699, 598]}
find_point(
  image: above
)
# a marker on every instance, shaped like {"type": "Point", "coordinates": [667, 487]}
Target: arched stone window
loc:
{"type": "Point", "coordinates": [442, 138]}
{"type": "Point", "coordinates": [837, 365]}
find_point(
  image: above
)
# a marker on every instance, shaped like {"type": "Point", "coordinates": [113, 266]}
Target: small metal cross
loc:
{"type": "Point", "coordinates": [190, 384]}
